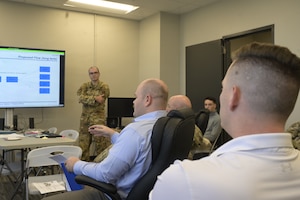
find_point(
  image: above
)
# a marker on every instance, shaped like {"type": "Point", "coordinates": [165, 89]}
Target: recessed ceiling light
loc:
{"type": "Point", "coordinates": [103, 5]}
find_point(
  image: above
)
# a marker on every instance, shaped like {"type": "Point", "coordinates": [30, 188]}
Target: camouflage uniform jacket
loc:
{"type": "Point", "coordinates": [294, 129]}
{"type": "Point", "coordinates": [200, 144]}
{"type": "Point", "coordinates": [87, 93]}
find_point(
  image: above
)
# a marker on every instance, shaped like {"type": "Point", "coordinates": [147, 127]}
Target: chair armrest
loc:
{"type": "Point", "coordinates": [106, 188]}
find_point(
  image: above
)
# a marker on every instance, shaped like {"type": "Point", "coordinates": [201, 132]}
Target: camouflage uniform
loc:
{"type": "Point", "coordinates": [200, 144]}
{"type": "Point", "coordinates": [294, 129]}
{"type": "Point", "coordinates": [92, 113]}
{"type": "Point", "coordinates": [102, 155]}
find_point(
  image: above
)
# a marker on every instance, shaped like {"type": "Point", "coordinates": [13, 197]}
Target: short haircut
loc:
{"type": "Point", "coordinates": [269, 75]}
{"type": "Point", "coordinates": [94, 67]}
{"type": "Point", "coordinates": [213, 99]}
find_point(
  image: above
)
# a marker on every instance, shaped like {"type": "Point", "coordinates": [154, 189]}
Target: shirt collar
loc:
{"type": "Point", "coordinates": [151, 115]}
{"type": "Point", "coordinates": [256, 141]}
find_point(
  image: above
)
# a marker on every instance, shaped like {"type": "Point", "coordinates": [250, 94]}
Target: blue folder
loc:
{"type": "Point", "coordinates": [73, 185]}
{"type": "Point", "coordinates": [71, 179]}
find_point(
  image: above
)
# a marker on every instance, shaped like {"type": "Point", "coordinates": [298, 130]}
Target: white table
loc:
{"type": "Point", "coordinates": [31, 142]}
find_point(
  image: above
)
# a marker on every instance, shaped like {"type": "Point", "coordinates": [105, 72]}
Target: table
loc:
{"type": "Point", "coordinates": [31, 142]}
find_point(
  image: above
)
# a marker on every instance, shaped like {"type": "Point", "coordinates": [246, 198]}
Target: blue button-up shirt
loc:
{"type": "Point", "coordinates": [128, 159]}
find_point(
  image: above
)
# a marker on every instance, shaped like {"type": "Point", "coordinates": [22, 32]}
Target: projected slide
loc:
{"type": "Point", "coordinates": [29, 78]}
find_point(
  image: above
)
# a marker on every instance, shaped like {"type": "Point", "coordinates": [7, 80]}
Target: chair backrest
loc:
{"type": "Point", "coordinates": [52, 130]}
{"type": "Point", "coordinates": [42, 156]}
{"type": "Point", "coordinates": [201, 119]}
{"type": "Point", "coordinates": [171, 139]}
{"type": "Point", "coordinates": [70, 133]}
{"type": "Point", "coordinates": [214, 145]}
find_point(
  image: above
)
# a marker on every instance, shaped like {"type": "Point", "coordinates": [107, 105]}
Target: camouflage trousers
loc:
{"type": "Point", "coordinates": [103, 154]}
{"type": "Point", "coordinates": [91, 145]}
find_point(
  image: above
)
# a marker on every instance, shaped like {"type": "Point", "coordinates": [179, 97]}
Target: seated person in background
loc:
{"type": "Point", "coordinates": [259, 93]}
{"type": "Point", "coordinates": [294, 129]}
{"type": "Point", "coordinates": [130, 156]}
{"type": "Point", "coordinates": [200, 144]}
{"type": "Point", "coordinates": [214, 123]}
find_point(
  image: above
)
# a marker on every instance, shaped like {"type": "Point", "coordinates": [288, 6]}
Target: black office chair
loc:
{"type": "Point", "coordinates": [201, 119]}
{"type": "Point", "coordinates": [171, 139]}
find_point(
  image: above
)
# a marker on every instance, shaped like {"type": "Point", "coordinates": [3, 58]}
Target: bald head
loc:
{"type": "Point", "coordinates": [178, 102]}
{"type": "Point", "coordinates": [151, 95]}
{"type": "Point", "coordinates": [155, 87]}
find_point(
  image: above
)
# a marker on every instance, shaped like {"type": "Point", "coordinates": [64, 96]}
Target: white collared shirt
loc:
{"type": "Point", "coordinates": [253, 167]}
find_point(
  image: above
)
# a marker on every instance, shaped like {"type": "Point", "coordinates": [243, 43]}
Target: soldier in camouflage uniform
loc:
{"type": "Point", "coordinates": [294, 129]}
{"type": "Point", "coordinates": [92, 95]}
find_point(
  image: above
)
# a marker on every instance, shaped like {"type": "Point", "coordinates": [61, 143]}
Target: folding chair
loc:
{"type": "Point", "coordinates": [52, 130]}
{"type": "Point", "coordinates": [41, 157]}
{"type": "Point", "coordinates": [70, 134]}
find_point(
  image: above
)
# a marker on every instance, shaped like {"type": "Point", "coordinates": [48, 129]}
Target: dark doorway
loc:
{"type": "Point", "coordinates": [207, 63]}
{"type": "Point", "coordinates": [203, 72]}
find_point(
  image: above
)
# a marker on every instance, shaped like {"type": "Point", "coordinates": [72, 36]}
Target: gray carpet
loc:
{"type": "Point", "coordinates": [7, 188]}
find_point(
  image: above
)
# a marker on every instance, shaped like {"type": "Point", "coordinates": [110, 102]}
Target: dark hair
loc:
{"type": "Point", "coordinates": [211, 99]}
{"type": "Point", "coordinates": [278, 58]}
{"type": "Point", "coordinates": [270, 75]}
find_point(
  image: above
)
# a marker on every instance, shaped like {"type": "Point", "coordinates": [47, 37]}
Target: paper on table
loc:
{"type": "Point", "coordinates": [51, 186]}
{"type": "Point", "coordinates": [12, 135]}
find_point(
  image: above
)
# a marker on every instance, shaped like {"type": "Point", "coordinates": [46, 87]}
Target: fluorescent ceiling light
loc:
{"type": "Point", "coordinates": [101, 4]}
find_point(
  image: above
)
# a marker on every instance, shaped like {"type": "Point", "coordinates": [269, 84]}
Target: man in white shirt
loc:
{"type": "Point", "coordinates": [260, 163]}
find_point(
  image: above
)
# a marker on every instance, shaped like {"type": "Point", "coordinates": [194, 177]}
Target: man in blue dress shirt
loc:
{"type": "Point", "coordinates": [130, 156]}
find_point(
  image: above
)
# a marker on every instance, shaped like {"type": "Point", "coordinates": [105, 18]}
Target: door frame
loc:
{"type": "Point", "coordinates": [226, 41]}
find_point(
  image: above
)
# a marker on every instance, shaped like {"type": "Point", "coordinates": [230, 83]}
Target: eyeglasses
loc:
{"type": "Point", "coordinates": [91, 73]}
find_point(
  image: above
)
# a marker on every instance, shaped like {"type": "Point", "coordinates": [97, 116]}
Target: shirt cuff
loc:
{"type": "Point", "coordinates": [78, 166]}
{"type": "Point", "coordinates": [114, 137]}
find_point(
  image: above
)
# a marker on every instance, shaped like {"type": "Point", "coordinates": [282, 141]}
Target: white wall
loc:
{"type": "Point", "coordinates": [159, 50]}
{"type": "Point", "coordinates": [234, 16]}
{"type": "Point", "coordinates": [169, 48]}
{"type": "Point", "coordinates": [149, 58]}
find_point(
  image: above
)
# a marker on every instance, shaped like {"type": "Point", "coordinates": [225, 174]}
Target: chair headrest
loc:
{"type": "Point", "coordinates": [206, 111]}
{"type": "Point", "coordinates": [182, 113]}
{"type": "Point", "coordinates": [201, 119]}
